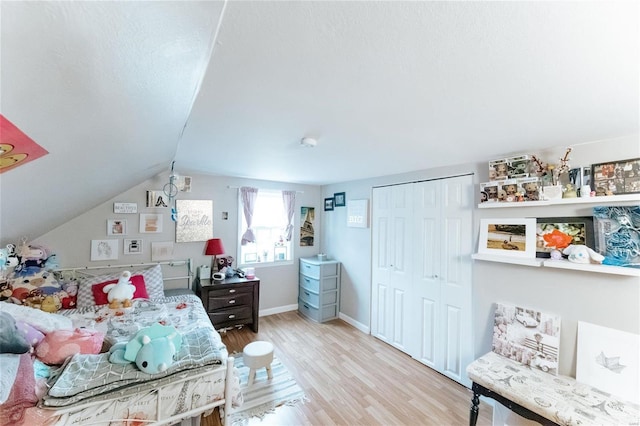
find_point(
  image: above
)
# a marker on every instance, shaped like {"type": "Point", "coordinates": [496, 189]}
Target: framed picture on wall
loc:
{"type": "Point", "coordinates": [150, 223]}
{"type": "Point", "coordinates": [104, 250]}
{"type": "Point", "coordinates": [133, 246]}
{"type": "Point", "coordinates": [340, 199]}
{"type": "Point", "coordinates": [116, 227]}
{"type": "Point", "coordinates": [328, 204]}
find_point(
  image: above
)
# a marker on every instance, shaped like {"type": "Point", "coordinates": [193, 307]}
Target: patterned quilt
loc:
{"type": "Point", "coordinates": [92, 377]}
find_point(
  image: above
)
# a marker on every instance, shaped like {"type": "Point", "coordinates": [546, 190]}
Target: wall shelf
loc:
{"type": "Point", "coordinates": [559, 264]}
{"type": "Point", "coordinates": [626, 198]}
{"type": "Point", "coordinates": [508, 259]}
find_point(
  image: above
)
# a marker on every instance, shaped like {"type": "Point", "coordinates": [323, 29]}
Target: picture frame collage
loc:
{"type": "Point", "coordinates": [534, 237]}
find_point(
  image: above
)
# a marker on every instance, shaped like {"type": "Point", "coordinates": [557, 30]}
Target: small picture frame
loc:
{"type": "Point", "coordinates": [279, 254]}
{"type": "Point", "coordinates": [104, 250]}
{"type": "Point", "coordinates": [150, 223]}
{"type": "Point", "coordinates": [133, 246]}
{"type": "Point", "coordinates": [125, 208]}
{"type": "Point", "coordinates": [161, 251]}
{"type": "Point", "coordinates": [116, 227]}
{"type": "Point", "coordinates": [616, 177]}
{"type": "Point", "coordinates": [560, 232]}
{"type": "Point", "coordinates": [508, 237]}
{"type": "Point", "coordinates": [250, 257]}
{"type": "Point", "coordinates": [339, 199]}
{"type": "Point", "coordinates": [328, 204]}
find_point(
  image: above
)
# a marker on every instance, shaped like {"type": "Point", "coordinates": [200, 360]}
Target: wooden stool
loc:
{"type": "Point", "coordinates": [258, 355]}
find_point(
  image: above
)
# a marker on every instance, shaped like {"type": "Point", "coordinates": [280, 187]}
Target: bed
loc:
{"type": "Point", "coordinates": [88, 388]}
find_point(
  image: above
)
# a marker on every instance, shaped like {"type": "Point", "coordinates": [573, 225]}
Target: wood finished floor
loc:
{"type": "Point", "coordinates": [352, 378]}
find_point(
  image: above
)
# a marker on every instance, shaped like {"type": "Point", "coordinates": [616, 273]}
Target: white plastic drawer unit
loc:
{"type": "Point", "coordinates": [319, 289]}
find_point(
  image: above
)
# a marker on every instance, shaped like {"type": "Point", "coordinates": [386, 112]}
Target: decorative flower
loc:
{"type": "Point", "coordinates": [557, 239]}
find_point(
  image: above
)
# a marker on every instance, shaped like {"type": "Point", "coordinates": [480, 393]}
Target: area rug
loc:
{"type": "Point", "coordinates": [265, 395]}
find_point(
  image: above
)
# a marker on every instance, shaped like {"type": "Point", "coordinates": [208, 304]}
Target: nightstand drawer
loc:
{"type": "Point", "coordinates": [234, 315]}
{"type": "Point", "coordinates": [229, 301]}
{"type": "Point", "coordinates": [230, 291]}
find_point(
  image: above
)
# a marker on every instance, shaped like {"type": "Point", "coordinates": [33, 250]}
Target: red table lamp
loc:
{"type": "Point", "coordinates": [213, 248]}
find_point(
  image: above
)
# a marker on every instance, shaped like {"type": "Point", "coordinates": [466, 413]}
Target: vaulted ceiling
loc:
{"type": "Point", "coordinates": [116, 91]}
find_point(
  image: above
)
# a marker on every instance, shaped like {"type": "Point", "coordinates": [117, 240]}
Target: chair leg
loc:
{"type": "Point", "coordinates": [269, 375]}
{"type": "Point", "coordinates": [252, 376]}
{"type": "Point", "coordinates": [473, 414]}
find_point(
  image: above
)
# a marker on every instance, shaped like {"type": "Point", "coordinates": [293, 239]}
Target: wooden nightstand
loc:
{"type": "Point", "coordinates": [234, 301]}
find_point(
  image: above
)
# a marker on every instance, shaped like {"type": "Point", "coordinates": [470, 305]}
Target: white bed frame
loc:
{"type": "Point", "coordinates": [191, 417]}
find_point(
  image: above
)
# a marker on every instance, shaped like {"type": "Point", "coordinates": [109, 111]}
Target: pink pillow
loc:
{"type": "Point", "coordinates": [58, 345]}
{"type": "Point", "coordinates": [101, 297]}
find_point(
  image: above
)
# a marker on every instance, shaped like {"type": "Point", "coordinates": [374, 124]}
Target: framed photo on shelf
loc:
{"type": "Point", "coordinates": [616, 177]}
{"type": "Point", "coordinates": [116, 227]}
{"type": "Point", "coordinates": [279, 253]}
{"type": "Point", "coordinates": [340, 199]}
{"type": "Point", "coordinates": [508, 237]}
{"type": "Point", "coordinates": [328, 204]}
{"type": "Point", "coordinates": [560, 232]}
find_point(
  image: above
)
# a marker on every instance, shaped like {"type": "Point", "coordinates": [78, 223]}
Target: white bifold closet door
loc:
{"type": "Point", "coordinates": [421, 294]}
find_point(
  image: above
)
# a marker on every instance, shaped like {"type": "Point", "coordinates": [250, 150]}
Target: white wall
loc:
{"type": "Point", "coordinates": [71, 241]}
{"type": "Point", "coordinates": [603, 299]}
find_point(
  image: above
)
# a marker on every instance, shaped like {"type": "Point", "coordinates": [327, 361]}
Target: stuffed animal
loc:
{"type": "Point", "coordinates": [51, 304]}
{"type": "Point", "coordinates": [152, 349]}
{"type": "Point", "coordinates": [582, 254]}
{"type": "Point", "coordinates": [121, 293]}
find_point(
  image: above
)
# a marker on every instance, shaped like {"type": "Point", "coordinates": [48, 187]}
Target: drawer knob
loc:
{"type": "Point", "coordinates": [232, 291]}
{"type": "Point", "coordinates": [232, 316]}
{"type": "Point", "coordinates": [232, 301]}
{"type": "Point", "coordinates": [306, 293]}
{"type": "Point", "coordinates": [306, 306]}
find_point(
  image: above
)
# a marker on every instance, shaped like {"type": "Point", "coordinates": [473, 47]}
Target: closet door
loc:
{"type": "Point", "coordinates": [391, 269]}
{"type": "Point", "coordinates": [442, 275]}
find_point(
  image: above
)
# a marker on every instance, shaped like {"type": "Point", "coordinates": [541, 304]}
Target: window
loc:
{"type": "Point", "coordinates": [269, 226]}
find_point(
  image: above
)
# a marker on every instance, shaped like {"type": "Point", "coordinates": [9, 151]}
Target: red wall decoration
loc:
{"type": "Point", "coordinates": [16, 148]}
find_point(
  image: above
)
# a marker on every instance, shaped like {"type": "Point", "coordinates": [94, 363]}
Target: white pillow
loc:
{"type": "Point", "coordinates": [41, 320]}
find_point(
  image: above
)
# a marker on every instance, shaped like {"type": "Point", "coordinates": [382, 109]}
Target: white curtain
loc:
{"type": "Point", "coordinates": [248, 196]}
{"type": "Point", "coordinates": [289, 203]}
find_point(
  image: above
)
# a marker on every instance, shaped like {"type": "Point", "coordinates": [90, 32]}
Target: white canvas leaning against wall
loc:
{"type": "Point", "coordinates": [609, 359]}
{"type": "Point", "coordinates": [527, 336]}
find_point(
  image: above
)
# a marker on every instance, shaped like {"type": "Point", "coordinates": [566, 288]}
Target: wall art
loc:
{"type": "Point", "coordinates": [616, 177]}
{"type": "Point", "coordinates": [339, 199]}
{"type": "Point", "coordinates": [150, 223]}
{"type": "Point", "coordinates": [133, 246]}
{"type": "Point", "coordinates": [16, 148]}
{"type": "Point", "coordinates": [328, 204]}
{"type": "Point", "coordinates": [125, 208]}
{"type": "Point", "coordinates": [358, 214]}
{"type": "Point", "coordinates": [527, 336]}
{"type": "Point", "coordinates": [161, 251]}
{"type": "Point", "coordinates": [609, 359]}
{"type": "Point", "coordinates": [194, 220]}
{"type": "Point", "coordinates": [157, 198]}
{"type": "Point", "coordinates": [116, 227]}
{"type": "Point", "coordinates": [104, 250]}
{"type": "Point", "coordinates": [508, 237]}
{"type": "Point", "coordinates": [557, 233]}
{"type": "Point", "coordinates": [307, 233]}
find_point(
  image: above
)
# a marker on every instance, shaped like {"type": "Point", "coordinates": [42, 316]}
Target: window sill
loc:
{"type": "Point", "coordinates": [266, 264]}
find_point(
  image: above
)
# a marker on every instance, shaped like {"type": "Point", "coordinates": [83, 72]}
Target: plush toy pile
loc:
{"type": "Point", "coordinates": [27, 278]}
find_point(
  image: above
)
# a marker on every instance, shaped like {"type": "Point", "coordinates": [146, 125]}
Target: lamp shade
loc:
{"type": "Point", "coordinates": [214, 247]}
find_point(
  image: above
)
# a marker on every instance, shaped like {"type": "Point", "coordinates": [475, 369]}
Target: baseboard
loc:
{"type": "Point", "coordinates": [278, 310]}
{"type": "Point", "coordinates": [364, 328]}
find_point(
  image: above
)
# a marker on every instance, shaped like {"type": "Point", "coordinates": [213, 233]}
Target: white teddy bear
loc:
{"type": "Point", "coordinates": [121, 293]}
